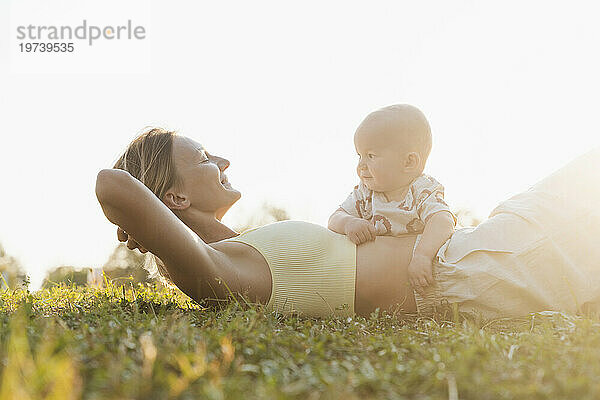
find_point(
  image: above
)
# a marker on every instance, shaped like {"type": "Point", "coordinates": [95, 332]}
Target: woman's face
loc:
{"type": "Point", "coordinates": [205, 186]}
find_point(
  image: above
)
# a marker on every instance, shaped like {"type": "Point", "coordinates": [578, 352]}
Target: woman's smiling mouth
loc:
{"type": "Point", "coordinates": [225, 181]}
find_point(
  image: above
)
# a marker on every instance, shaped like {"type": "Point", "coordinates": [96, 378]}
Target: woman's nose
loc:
{"type": "Point", "coordinates": [223, 163]}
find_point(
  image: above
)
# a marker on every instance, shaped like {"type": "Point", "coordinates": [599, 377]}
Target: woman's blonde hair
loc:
{"type": "Point", "coordinates": [149, 158]}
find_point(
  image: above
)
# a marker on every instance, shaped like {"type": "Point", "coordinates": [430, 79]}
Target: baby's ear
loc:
{"type": "Point", "coordinates": [412, 161]}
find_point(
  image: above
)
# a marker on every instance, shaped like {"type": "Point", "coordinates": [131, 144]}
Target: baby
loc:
{"type": "Point", "coordinates": [394, 196]}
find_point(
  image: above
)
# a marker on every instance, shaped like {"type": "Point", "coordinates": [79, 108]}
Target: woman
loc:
{"type": "Point", "coordinates": [511, 264]}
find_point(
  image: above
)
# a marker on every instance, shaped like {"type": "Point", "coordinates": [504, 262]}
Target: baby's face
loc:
{"type": "Point", "coordinates": [381, 163]}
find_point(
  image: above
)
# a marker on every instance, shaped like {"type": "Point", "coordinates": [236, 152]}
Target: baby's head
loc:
{"type": "Point", "coordinates": [393, 144]}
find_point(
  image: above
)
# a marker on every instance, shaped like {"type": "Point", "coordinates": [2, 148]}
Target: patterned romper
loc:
{"type": "Point", "coordinates": [424, 198]}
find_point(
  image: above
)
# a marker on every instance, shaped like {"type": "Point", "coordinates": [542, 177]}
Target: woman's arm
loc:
{"type": "Point", "coordinates": [192, 264]}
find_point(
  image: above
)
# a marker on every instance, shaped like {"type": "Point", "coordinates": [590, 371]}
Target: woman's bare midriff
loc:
{"type": "Point", "coordinates": [381, 273]}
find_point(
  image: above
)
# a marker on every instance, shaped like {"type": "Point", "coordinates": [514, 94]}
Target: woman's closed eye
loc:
{"type": "Point", "coordinates": [204, 155]}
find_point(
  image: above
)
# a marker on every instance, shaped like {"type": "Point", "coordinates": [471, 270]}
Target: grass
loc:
{"type": "Point", "coordinates": [154, 343]}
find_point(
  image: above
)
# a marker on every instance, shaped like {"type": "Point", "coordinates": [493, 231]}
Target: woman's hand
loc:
{"type": "Point", "coordinates": [131, 243]}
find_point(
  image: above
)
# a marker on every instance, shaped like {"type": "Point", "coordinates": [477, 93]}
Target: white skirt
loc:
{"type": "Point", "coordinates": [539, 250]}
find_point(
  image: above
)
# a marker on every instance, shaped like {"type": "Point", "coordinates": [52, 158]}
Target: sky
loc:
{"type": "Point", "coordinates": [510, 90]}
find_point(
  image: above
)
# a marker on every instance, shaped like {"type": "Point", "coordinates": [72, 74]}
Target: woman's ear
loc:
{"type": "Point", "coordinates": [176, 201]}
{"type": "Point", "coordinates": [412, 161]}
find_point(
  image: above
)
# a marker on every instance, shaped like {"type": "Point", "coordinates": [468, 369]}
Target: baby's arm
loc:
{"type": "Point", "coordinates": [357, 229]}
{"type": "Point", "coordinates": [348, 218]}
{"type": "Point", "coordinates": [338, 220]}
{"type": "Point", "coordinates": [438, 228]}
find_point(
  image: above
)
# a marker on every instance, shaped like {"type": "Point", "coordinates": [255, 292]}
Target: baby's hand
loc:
{"type": "Point", "coordinates": [419, 272]}
{"type": "Point", "coordinates": [360, 231]}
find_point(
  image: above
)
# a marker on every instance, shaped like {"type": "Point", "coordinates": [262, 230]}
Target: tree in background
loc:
{"type": "Point", "coordinates": [66, 274]}
{"type": "Point", "coordinates": [466, 218]}
{"type": "Point", "coordinates": [11, 270]}
{"type": "Point", "coordinates": [124, 266]}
